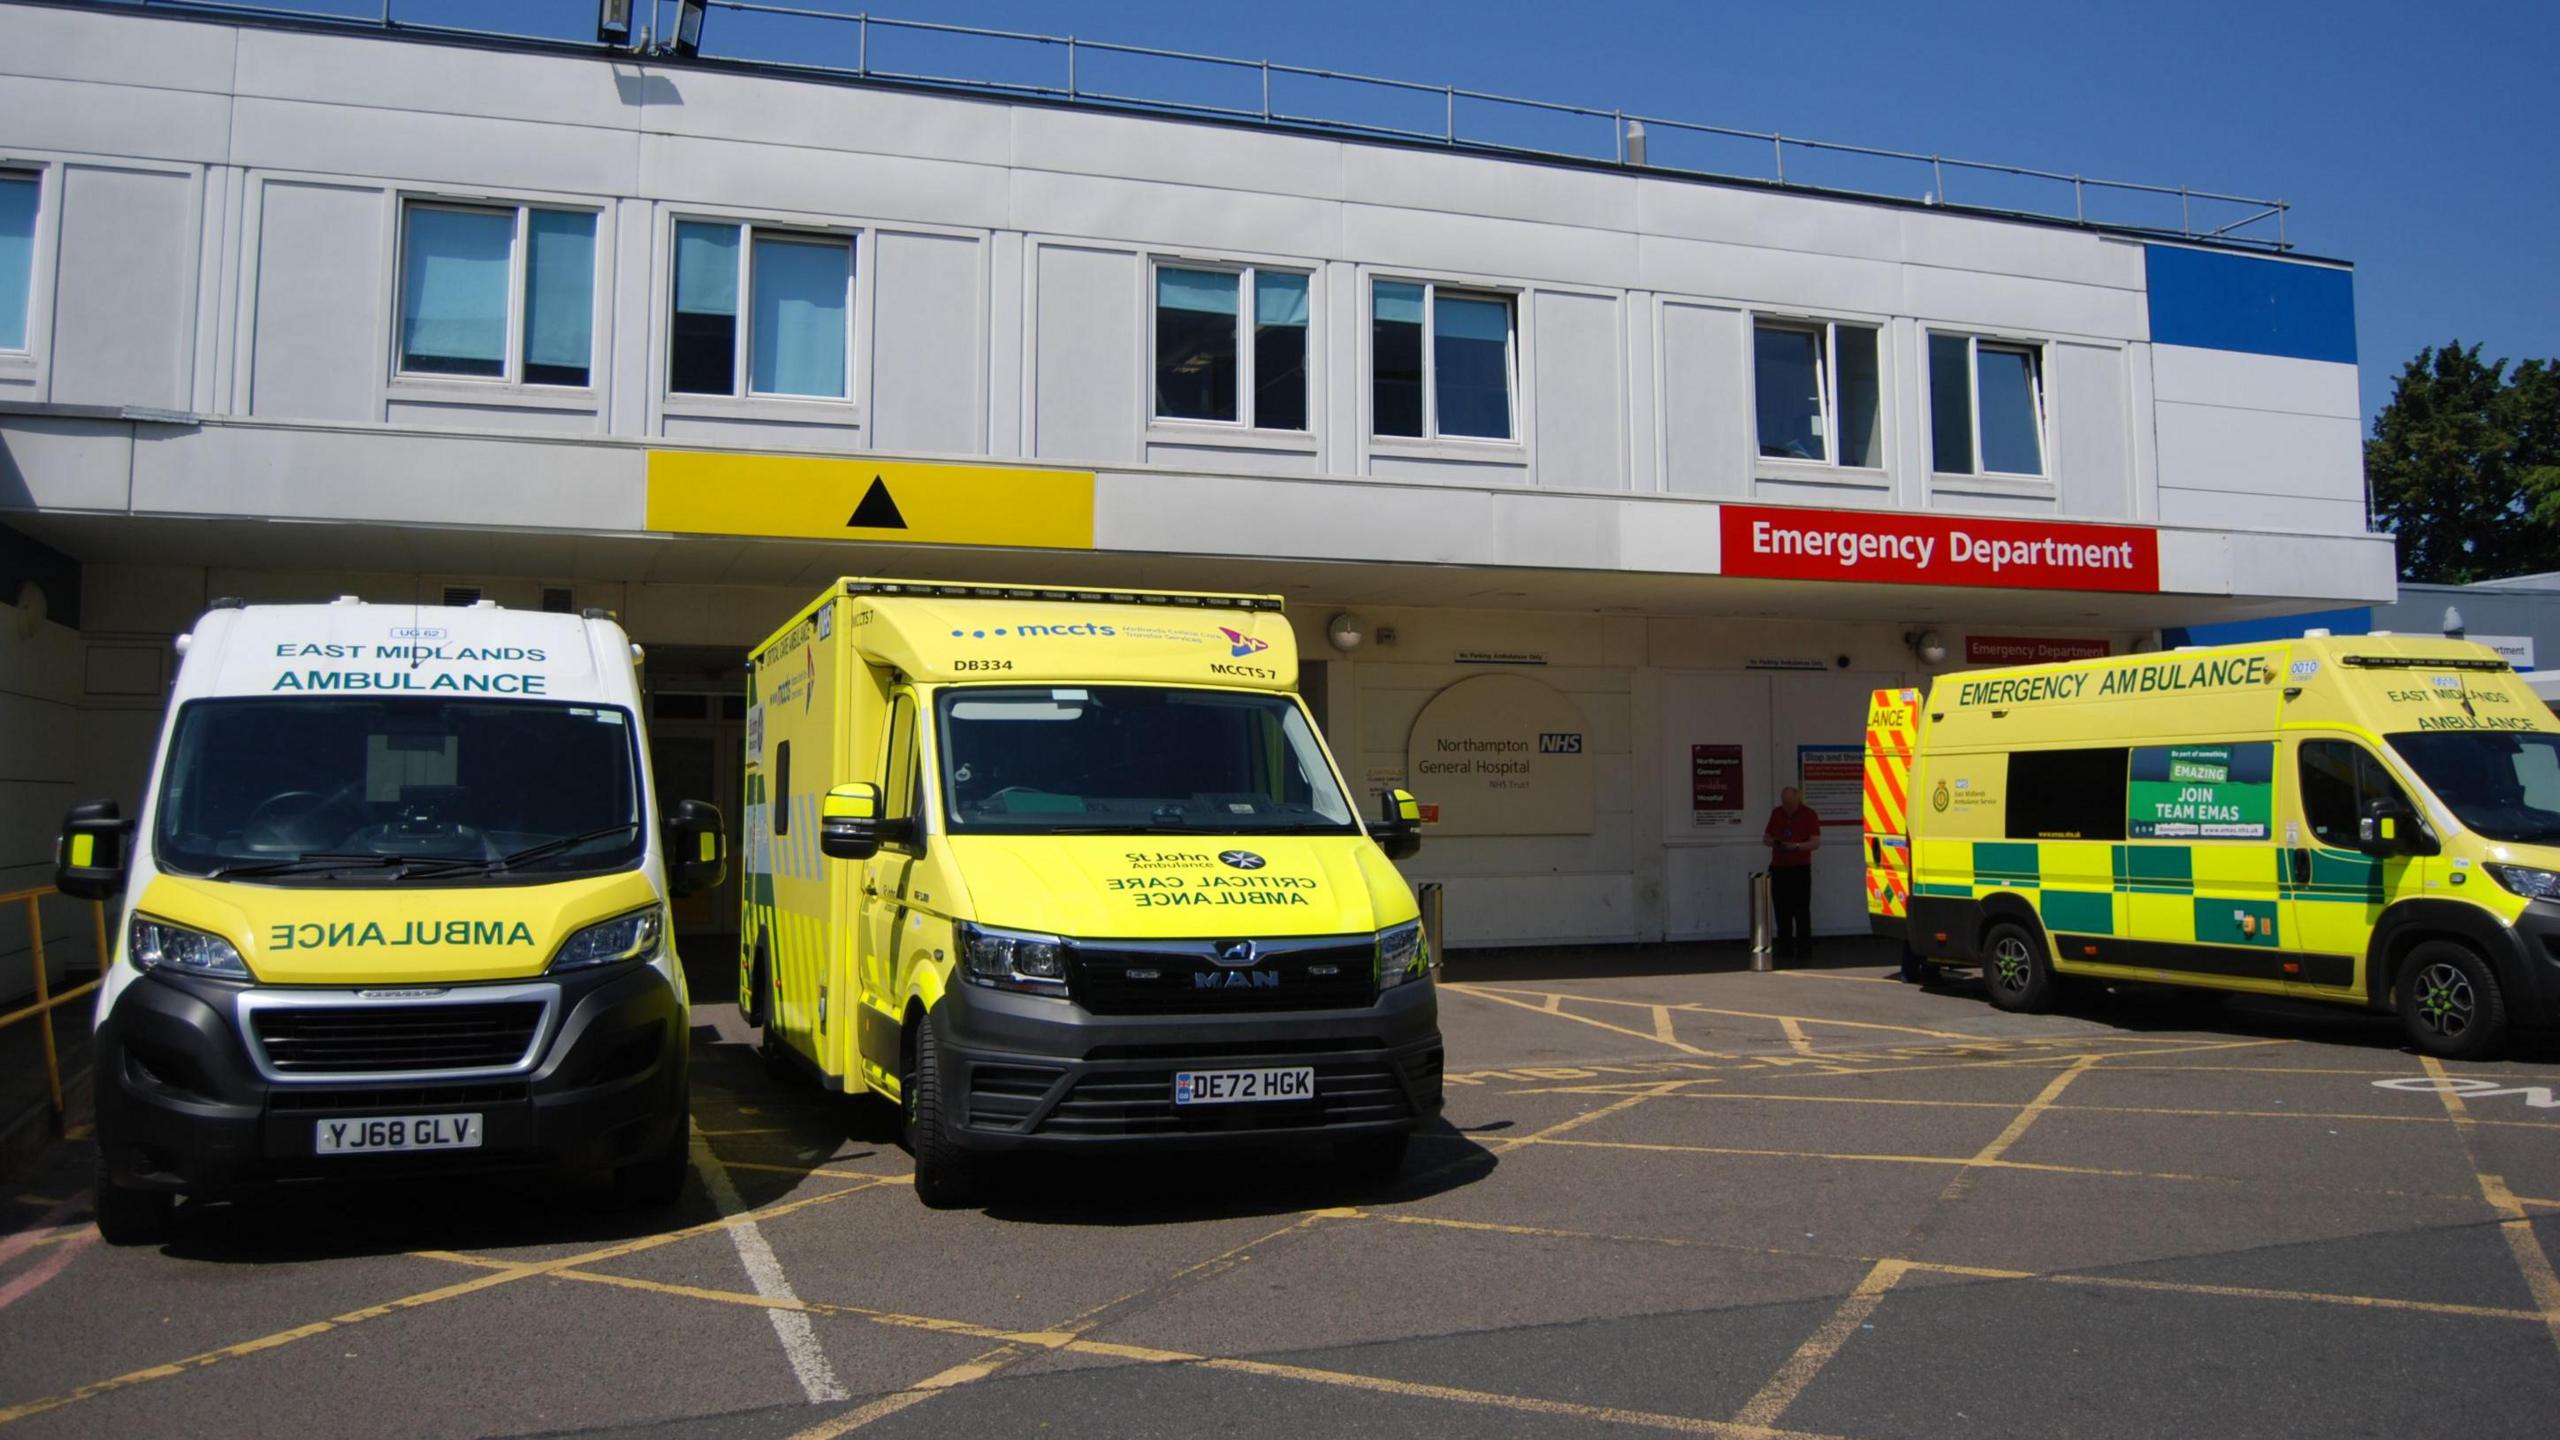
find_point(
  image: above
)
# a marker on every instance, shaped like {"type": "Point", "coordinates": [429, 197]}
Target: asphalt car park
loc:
{"type": "Point", "coordinates": [1811, 1202]}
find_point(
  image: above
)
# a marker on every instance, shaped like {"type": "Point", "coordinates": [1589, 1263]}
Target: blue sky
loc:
{"type": "Point", "coordinates": [2413, 140]}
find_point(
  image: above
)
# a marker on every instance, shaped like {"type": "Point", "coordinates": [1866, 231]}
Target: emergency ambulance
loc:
{"type": "Point", "coordinates": [396, 903]}
{"type": "Point", "coordinates": [2368, 820]}
{"type": "Point", "coordinates": [1065, 869]}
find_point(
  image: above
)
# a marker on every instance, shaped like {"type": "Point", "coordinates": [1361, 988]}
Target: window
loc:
{"type": "Point", "coordinates": [2340, 778]}
{"type": "Point", "coordinates": [779, 802]}
{"type": "Point", "coordinates": [2500, 784]}
{"type": "Point", "coordinates": [1440, 361]}
{"type": "Point", "coordinates": [796, 290]}
{"type": "Point", "coordinates": [498, 293]}
{"type": "Point", "coordinates": [1986, 407]}
{"type": "Point", "coordinates": [19, 191]}
{"type": "Point", "coordinates": [2067, 794]}
{"type": "Point", "coordinates": [1818, 393]}
{"type": "Point", "coordinates": [899, 793]}
{"type": "Point", "coordinates": [1205, 367]}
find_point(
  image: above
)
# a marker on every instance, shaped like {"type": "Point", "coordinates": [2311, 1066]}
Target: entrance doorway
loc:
{"type": "Point", "coordinates": [694, 744]}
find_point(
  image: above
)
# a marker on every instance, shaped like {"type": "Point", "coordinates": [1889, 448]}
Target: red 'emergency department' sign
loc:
{"type": "Point", "coordinates": [1777, 543]}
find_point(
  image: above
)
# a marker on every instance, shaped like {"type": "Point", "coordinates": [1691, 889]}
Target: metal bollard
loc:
{"type": "Point", "coordinates": [1763, 948]}
{"type": "Point", "coordinates": [1429, 895]}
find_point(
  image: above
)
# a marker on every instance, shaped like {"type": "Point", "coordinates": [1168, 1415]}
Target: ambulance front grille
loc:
{"type": "Point", "coordinates": [396, 1039]}
{"type": "Point", "coordinates": [1332, 973]}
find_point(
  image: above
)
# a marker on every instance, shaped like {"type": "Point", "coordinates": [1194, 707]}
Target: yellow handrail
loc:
{"type": "Point", "coordinates": [46, 1001]}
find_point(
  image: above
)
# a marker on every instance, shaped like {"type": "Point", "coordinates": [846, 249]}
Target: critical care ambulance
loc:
{"type": "Point", "coordinates": [1062, 869]}
{"type": "Point", "coordinates": [2368, 820]}
{"type": "Point", "coordinates": [396, 903]}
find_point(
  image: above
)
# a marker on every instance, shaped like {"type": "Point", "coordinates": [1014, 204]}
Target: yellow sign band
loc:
{"type": "Point", "coordinates": [804, 497]}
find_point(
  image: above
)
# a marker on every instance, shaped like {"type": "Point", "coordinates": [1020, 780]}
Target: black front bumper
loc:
{"type": "Point", "coordinates": [1025, 1072]}
{"type": "Point", "coordinates": [181, 1106]}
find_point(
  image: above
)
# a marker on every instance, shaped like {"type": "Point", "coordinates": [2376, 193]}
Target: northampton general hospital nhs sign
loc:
{"type": "Point", "coordinates": [1784, 543]}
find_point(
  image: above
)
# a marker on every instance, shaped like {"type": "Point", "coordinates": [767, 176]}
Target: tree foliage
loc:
{"type": "Point", "coordinates": [2464, 466]}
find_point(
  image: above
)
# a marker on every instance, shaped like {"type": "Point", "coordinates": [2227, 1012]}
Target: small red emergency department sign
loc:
{"type": "Point", "coordinates": [1784, 543]}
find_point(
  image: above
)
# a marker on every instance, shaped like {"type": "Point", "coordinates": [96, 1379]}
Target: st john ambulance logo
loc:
{"type": "Point", "coordinates": [1240, 859]}
{"type": "Point", "coordinates": [1239, 644]}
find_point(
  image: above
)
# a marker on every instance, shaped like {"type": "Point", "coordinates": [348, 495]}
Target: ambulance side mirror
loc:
{"type": "Point", "coordinates": [697, 847]}
{"type": "Point", "coordinates": [1398, 830]}
{"type": "Point", "coordinates": [90, 857]}
{"type": "Point", "coordinates": [849, 822]}
{"type": "Point", "coordinates": [2389, 827]}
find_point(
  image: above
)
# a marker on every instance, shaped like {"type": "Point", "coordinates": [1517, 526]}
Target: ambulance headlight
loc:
{"type": "Point", "coordinates": [157, 942]}
{"type": "Point", "coordinates": [1012, 960]}
{"type": "Point", "coordinates": [2526, 881]}
{"type": "Point", "coordinates": [1401, 956]}
{"type": "Point", "coordinates": [610, 942]}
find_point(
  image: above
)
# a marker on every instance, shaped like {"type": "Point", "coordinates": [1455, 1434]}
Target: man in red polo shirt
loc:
{"type": "Point", "coordinates": [1794, 832]}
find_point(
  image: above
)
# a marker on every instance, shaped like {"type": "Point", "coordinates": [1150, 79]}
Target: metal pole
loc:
{"type": "Point", "coordinates": [1071, 67]}
{"type": "Point", "coordinates": [44, 1006]}
{"type": "Point", "coordinates": [1434, 907]}
{"type": "Point", "coordinates": [1763, 956]}
{"type": "Point", "coordinates": [1938, 177]}
{"type": "Point", "coordinates": [862, 44]}
{"type": "Point", "coordinates": [1450, 94]}
{"type": "Point", "coordinates": [2186, 226]}
{"type": "Point", "coordinates": [1778, 147]}
{"type": "Point", "coordinates": [2079, 201]}
{"type": "Point", "coordinates": [1266, 92]}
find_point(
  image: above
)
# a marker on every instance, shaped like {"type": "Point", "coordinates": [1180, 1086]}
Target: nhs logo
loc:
{"type": "Point", "coordinates": [1560, 742]}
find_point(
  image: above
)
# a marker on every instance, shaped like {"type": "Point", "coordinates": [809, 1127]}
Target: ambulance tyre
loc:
{"type": "Point", "coordinates": [946, 1177]}
{"type": "Point", "coordinates": [129, 1216]}
{"type": "Point", "coordinates": [2016, 972]}
{"type": "Point", "coordinates": [2449, 1002]}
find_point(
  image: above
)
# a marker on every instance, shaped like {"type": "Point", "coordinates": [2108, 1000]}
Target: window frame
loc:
{"type": "Point", "coordinates": [2040, 392]}
{"type": "Point", "coordinates": [510, 379]}
{"type": "Point", "coordinates": [1432, 288]}
{"type": "Point", "coordinates": [1248, 419]}
{"type": "Point", "coordinates": [1826, 330]}
{"type": "Point", "coordinates": [27, 366]}
{"type": "Point", "coordinates": [742, 397]}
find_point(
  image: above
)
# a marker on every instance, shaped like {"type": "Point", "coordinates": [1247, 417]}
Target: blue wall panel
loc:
{"type": "Point", "coordinates": [2221, 301]}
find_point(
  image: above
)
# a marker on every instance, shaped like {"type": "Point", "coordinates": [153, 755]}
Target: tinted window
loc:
{"type": "Point", "coordinates": [2340, 778]}
{"type": "Point", "coordinates": [1395, 359]}
{"type": "Point", "coordinates": [780, 803]}
{"type": "Point", "coordinates": [2066, 794]}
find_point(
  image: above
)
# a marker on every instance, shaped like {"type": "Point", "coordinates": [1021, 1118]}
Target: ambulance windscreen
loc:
{"type": "Point", "coordinates": [2502, 785]}
{"type": "Point", "coordinates": [1131, 759]}
{"type": "Point", "coordinates": [350, 791]}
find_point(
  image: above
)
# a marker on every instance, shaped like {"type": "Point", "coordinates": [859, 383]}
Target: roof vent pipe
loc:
{"type": "Point", "coordinates": [1635, 142]}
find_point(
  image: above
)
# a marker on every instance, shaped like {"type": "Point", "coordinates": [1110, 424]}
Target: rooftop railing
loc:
{"type": "Point", "coordinates": [1144, 79]}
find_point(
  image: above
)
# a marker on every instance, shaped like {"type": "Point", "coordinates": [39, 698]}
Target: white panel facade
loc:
{"type": "Point", "coordinates": [927, 392]}
{"type": "Point", "coordinates": [1086, 354]}
{"type": "Point", "coordinates": [316, 349]}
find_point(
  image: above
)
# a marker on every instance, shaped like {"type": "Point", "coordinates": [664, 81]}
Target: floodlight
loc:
{"type": "Point", "coordinates": [689, 15]}
{"type": "Point", "coordinates": [613, 23]}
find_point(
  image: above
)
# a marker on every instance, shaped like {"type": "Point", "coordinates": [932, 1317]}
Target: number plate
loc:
{"type": "Point", "coordinates": [1238, 1087]}
{"type": "Point", "coordinates": [397, 1133]}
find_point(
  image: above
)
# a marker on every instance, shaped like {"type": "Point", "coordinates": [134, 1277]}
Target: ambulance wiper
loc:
{"type": "Point", "coordinates": [549, 848]}
{"type": "Point", "coordinates": [314, 862]}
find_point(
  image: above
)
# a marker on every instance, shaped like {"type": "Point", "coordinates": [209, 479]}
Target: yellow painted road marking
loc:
{"type": "Point", "coordinates": [2160, 1110]}
{"type": "Point", "coordinates": [1554, 1005]}
{"type": "Point", "coordinates": [1763, 1409]}
{"type": "Point", "coordinates": [1796, 1039]}
{"type": "Point", "coordinates": [2515, 1222]}
{"type": "Point", "coordinates": [527, 1270]}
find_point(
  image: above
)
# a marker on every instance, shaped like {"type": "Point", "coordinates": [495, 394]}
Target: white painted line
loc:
{"type": "Point", "coordinates": [799, 1339]}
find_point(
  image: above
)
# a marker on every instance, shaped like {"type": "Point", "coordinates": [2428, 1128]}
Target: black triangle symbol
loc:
{"type": "Point", "coordinates": [877, 511]}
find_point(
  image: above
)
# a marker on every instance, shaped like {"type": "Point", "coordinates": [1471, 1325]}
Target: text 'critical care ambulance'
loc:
{"type": "Point", "coordinates": [2368, 820]}
{"type": "Point", "coordinates": [396, 903]}
{"type": "Point", "coordinates": [1059, 869]}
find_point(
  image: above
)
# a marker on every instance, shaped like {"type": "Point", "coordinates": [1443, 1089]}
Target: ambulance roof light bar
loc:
{"type": "Point", "coordinates": [2419, 662]}
{"type": "Point", "coordinates": [1061, 593]}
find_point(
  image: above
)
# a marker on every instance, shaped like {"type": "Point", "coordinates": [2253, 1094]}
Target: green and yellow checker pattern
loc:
{"type": "Point", "coordinates": [2242, 896]}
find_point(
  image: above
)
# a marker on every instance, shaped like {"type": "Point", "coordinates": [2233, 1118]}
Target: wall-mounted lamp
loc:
{"type": "Point", "coordinates": [1347, 632]}
{"type": "Point", "coordinates": [1927, 646]}
{"type": "Point", "coordinates": [613, 23]}
{"type": "Point", "coordinates": [614, 28]}
{"type": "Point", "coordinates": [689, 15]}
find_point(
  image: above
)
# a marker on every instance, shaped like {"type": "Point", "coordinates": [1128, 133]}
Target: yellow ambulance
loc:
{"type": "Point", "coordinates": [395, 905]}
{"type": "Point", "coordinates": [1064, 869]}
{"type": "Point", "coordinates": [2368, 820]}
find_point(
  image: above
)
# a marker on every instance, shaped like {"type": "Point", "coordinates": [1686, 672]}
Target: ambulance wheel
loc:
{"type": "Point", "coordinates": [2016, 972]}
{"type": "Point", "coordinates": [130, 1216]}
{"type": "Point", "coordinates": [2449, 1002]}
{"type": "Point", "coordinates": [946, 1175]}
{"type": "Point", "coordinates": [654, 1181]}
